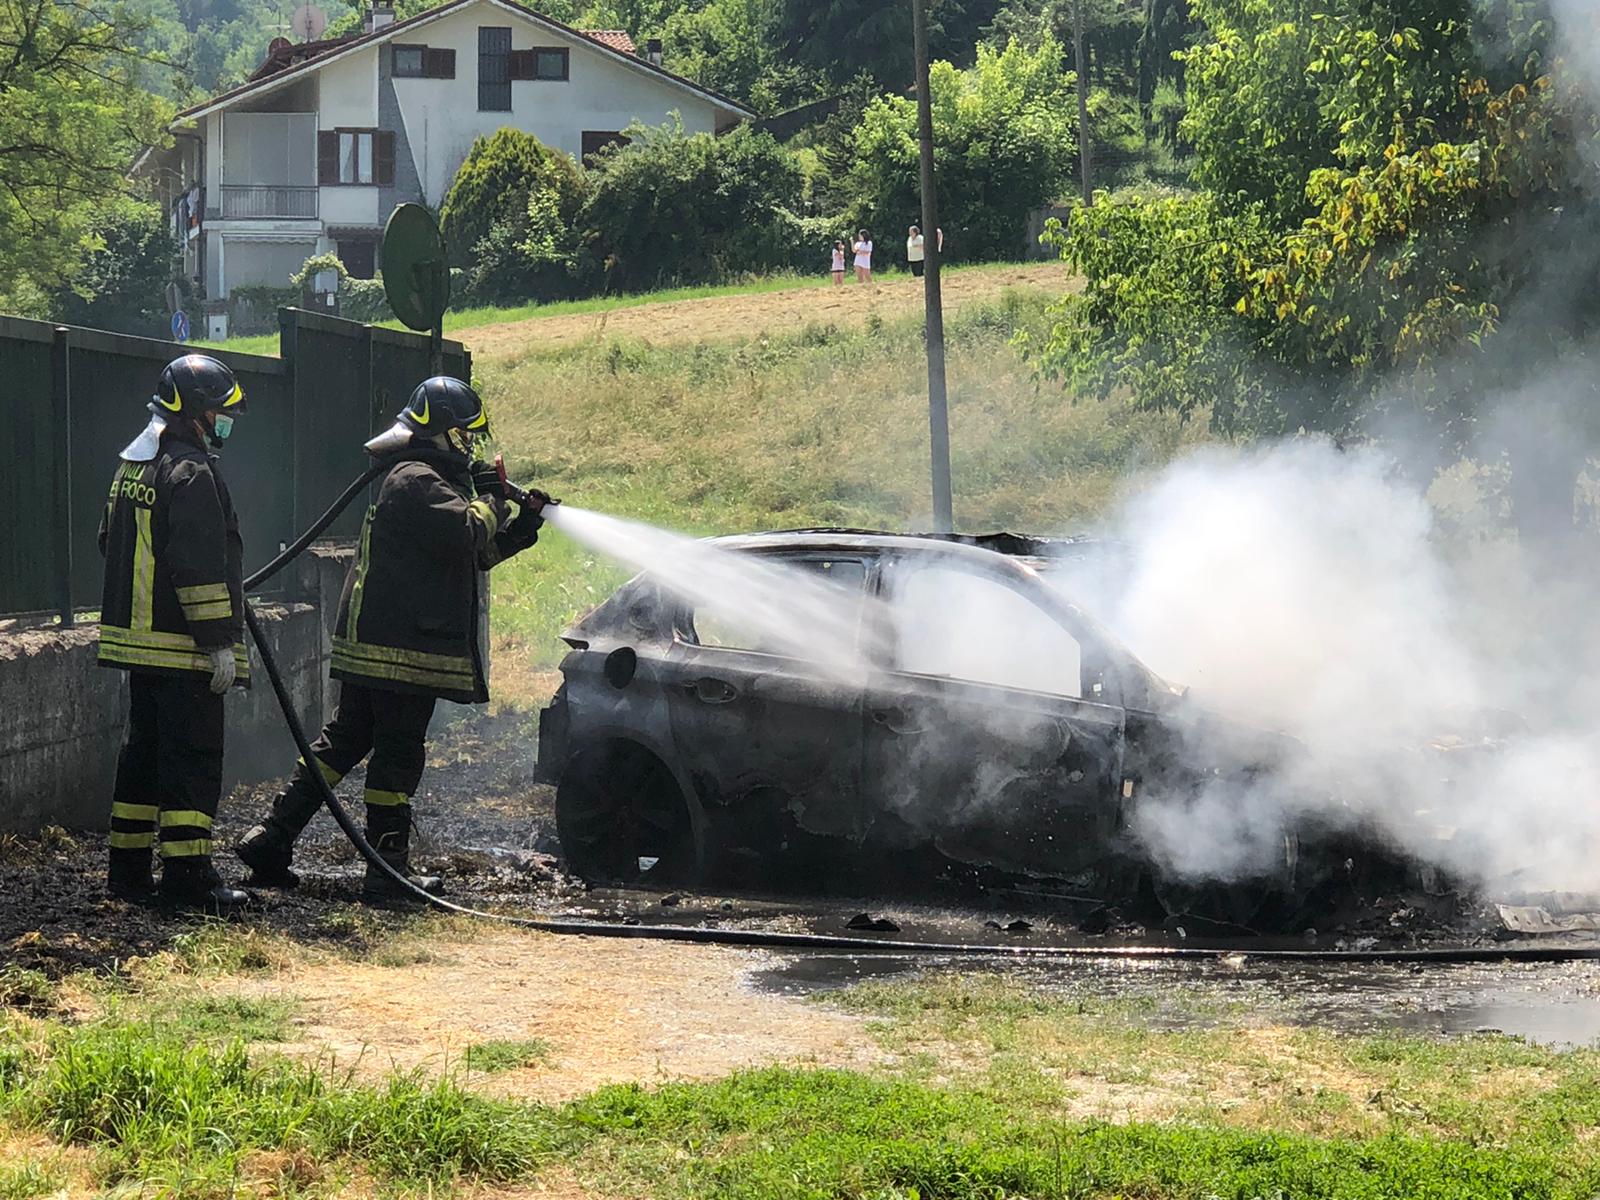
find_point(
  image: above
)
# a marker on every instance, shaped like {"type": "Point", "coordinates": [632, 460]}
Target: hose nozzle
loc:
{"type": "Point", "coordinates": [527, 497]}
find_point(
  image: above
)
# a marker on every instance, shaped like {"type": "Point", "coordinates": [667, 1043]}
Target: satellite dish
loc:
{"type": "Point", "coordinates": [278, 45]}
{"type": "Point", "coordinates": [415, 277]}
{"type": "Point", "coordinates": [308, 22]}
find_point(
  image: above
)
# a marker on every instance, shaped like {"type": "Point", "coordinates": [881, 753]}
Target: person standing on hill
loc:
{"type": "Point", "coordinates": [863, 252]}
{"type": "Point", "coordinates": [172, 615]}
{"type": "Point", "coordinates": [411, 628]}
{"type": "Point", "coordinates": [916, 251]}
{"type": "Point", "coordinates": [838, 264]}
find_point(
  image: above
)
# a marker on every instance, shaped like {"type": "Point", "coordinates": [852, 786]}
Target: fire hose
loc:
{"type": "Point", "coordinates": [781, 940]}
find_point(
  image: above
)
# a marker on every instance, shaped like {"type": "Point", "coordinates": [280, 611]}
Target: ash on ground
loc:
{"type": "Point", "coordinates": [480, 820]}
{"type": "Point", "coordinates": [486, 826]}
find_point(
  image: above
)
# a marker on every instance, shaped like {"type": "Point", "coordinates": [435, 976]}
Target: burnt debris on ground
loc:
{"type": "Point", "coordinates": [480, 819]}
{"type": "Point", "coordinates": [490, 829]}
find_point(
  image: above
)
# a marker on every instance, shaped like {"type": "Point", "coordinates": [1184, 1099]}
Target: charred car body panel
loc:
{"type": "Point", "coordinates": [945, 743]}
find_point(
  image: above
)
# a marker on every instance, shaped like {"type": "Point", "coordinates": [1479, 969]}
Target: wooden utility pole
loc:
{"type": "Point", "coordinates": [933, 302]}
{"type": "Point", "coordinates": [1084, 150]}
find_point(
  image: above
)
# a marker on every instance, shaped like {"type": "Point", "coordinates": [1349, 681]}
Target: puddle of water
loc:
{"type": "Point", "coordinates": [1554, 1004]}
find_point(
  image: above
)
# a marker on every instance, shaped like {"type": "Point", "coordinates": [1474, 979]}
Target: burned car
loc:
{"type": "Point", "coordinates": [943, 706]}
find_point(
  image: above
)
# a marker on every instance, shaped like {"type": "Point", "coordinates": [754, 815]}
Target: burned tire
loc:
{"type": "Point", "coordinates": [623, 819]}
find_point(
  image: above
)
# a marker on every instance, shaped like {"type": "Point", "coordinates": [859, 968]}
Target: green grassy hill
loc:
{"type": "Point", "coordinates": [816, 427]}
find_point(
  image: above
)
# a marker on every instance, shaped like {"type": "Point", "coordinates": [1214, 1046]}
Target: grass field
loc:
{"type": "Point", "coordinates": [820, 426]}
{"type": "Point", "coordinates": [462, 323]}
{"type": "Point", "coordinates": [179, 1080]}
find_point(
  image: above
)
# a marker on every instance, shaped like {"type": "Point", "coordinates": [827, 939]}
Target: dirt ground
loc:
{"type": "Point", "coordinates": [727, 317]}
{"type": "Point", "coordinates": [608, 1011]}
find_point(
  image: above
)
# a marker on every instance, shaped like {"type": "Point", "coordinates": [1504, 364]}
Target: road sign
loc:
{"type": "Point", "coordinates": [415, 278]}
{"type": "Point", "coordinates": [180, 326]}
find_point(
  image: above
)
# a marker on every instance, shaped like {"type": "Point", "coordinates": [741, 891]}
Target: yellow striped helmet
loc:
{"type": "Point", "coordinates": [195, 384]}
{"type": "Point", "coordinates": [441, 407]}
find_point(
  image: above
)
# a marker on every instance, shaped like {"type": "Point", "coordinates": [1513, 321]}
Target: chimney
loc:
{"type": "Point", "coordinates": [380, 14]}
{"type": "Point", "coordinates": [652, 51]}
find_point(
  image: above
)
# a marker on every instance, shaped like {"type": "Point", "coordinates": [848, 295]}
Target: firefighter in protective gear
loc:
{"type": "Point", "coordinates": [171, 615]}
{"type": "Point", "coordinates": [411, 629]}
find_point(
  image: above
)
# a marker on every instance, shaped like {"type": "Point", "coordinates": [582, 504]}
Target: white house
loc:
{"type": "Point", "coordinates": [316, 149]}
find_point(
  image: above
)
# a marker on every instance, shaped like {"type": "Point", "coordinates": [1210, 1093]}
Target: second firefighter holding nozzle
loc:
{"type": "Point", "coordinates": [412, 626]}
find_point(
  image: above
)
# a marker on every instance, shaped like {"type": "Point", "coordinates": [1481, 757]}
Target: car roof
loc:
{"type": "Point", "coordinates": [1013, 545]}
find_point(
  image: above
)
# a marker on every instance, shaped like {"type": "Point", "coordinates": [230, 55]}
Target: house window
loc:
{"type": "Point", "coordinates": [596, 140]}
{"type": "Point", "coordinates": [355, 157]}
{"type": "Point", "coordinates": [423, 62]}
{"type": "Point", "coordinates": [551, 63]}
{"type": "Point", "coordinates": [410, 62]}
{"type": "Point", "coordinates": [494, 69]}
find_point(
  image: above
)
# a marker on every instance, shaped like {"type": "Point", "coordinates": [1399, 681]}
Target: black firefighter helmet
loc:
{"type": "Point", "coordinates": [440, 407]}
{"type": "Point", "coordinates": [190, 387]}
{"type": "Point", "coordinates": [194, 385]}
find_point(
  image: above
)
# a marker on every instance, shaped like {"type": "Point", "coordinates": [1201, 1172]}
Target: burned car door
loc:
{"type": "Point", "coordinates": [979, 735]}
{"type": "Point", "coordinates": [765, 708]}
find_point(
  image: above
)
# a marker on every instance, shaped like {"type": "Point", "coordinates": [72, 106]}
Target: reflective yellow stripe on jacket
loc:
{"type": "Point", "coordinates": [363, 561]}
{"type": "Point", "coordinates": [206, 602]}
{"type": "Point", "coordinates": [416, 667]}
{"type": "Point", "coordinates": [152, 648]}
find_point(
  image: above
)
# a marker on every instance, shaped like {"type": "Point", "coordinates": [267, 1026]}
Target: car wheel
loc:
{"type": "Point", "coordinates": [623, 819]}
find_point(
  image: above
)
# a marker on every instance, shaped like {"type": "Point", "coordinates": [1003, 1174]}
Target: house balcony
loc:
{"type": "Point", "coordinates": [245, 201]}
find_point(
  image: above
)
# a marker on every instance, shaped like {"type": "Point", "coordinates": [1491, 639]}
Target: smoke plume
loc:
{"type": "Point", "coordinates": [1305, 589]}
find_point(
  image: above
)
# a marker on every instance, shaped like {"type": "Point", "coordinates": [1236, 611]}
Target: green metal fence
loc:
{"type": "Point", "coordinates": [77, 396]}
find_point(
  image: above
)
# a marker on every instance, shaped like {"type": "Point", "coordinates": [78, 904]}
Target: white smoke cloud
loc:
{"type": "Point", "coordinates": [1303, 589]}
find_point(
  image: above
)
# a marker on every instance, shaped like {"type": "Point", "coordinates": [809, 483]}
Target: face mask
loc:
{"type": "Point", "coordinates": [222, 428]}
{"type": "Point", "coordinates": [463, 441]}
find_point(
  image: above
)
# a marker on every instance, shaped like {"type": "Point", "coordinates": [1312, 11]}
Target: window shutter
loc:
{"type": "Point", "coordinates": [440, 64]}
{"type": "Point", "coordinates": [522, 64]}
{"type": "Point", "coordinates": [383, 157]}
{"type": "Point", "coordinates": [327, 156]}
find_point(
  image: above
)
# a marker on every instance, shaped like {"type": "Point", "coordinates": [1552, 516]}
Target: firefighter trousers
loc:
{"type": "Point", "coordinates": [393, 728]}
{"type": "Point", "coordinates": [170, 770]}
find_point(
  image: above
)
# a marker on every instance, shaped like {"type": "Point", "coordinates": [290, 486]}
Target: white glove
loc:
{"type": "Point", "coordinates": [222, 670]}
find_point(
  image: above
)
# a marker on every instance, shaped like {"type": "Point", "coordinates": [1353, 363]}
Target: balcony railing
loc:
{"type": "Point", "coordinates": [267, 200]}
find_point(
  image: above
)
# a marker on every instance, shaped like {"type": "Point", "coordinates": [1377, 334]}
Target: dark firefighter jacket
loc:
{"type": "Point", "coordinates": [412, 617]}
{"type": "Point", "coordinates": [174, 582]}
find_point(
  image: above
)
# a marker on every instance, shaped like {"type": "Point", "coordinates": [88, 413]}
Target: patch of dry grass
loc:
{"type": "Point", "coordinates": [1108, 1059]}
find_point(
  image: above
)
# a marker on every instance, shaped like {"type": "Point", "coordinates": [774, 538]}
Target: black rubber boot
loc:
{"type": "Point", "coordinates": [130, 877]}
{"type": "Point", "coordinates": [268, 851]}
{"type": "Point", "coordinates": [389, 831]}
{"type": "Point", "coordinates": [193, 883]}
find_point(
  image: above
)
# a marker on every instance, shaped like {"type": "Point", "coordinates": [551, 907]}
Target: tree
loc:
{"type": "Point", "coordinates": [122, 284]}
{"type": "Point", "coordinates": [539, 251]}
{"type": "Point", "coordinates": [492, 185]}
{"type": "Point", "coordinates": [674, 208]}
{"type": "Point", "coordinates": [1111, 32]}
{"type": "Point", "coordinates": [1389, 183]}
{"type": "Point", "coordinates": [1003, 146]}
{"type": "Point", "coordinates": [731, 47]}
{"type": "Point", "coordinates": [841, 39]}
{"type": "Point", "coordinates": [73, 114]}
{"type": "Point", "coordinates": [1163, 34]}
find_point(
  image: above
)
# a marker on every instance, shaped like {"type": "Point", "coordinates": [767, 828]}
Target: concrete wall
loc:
{"type": "Point", "coordinates": [65, 714]}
